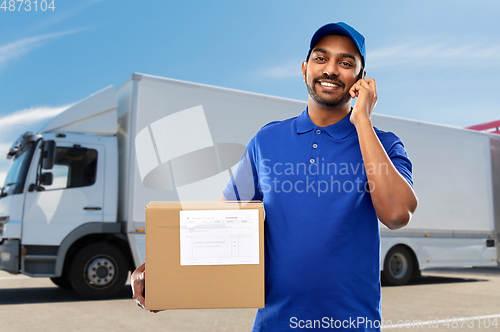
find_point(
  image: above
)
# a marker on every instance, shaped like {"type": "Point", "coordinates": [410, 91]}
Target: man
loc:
{"type": "Point", "coordinates": [324, 177]}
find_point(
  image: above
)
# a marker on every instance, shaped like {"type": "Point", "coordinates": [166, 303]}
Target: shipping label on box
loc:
{"type": "Point", "coordinates": [219, 237]}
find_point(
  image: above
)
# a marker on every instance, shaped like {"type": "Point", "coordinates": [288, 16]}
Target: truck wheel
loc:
{"type": "Point", "coordinates": [98, 271]}
{"type": "Point", "coordinates": [398, 267]}
{"type": "Point", "coordinates": [61, 282]}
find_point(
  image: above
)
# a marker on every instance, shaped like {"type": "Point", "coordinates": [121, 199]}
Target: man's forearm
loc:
{"type": "Point", "coordinates": [393, 198]}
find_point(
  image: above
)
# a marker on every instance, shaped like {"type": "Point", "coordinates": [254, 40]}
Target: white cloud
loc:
{"type": "Point", "coordinates": [23, 46]}
{"type": "Point", "coordinates": [64, 15]}
{"type": "Point", "coordinates": [418, 53]}
{"type": "Point", "coordinates": [288, 70]}
{"type": "Point", "coordinates": [28, 118]}
{"type": "Point", "coordinates": [26, 45]}
{"type": "Point", "coordinates": [467, 54]}
{"type": "Point", "coordinates": [439, 51]}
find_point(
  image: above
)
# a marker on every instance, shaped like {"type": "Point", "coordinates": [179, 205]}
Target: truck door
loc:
{"type": "Point", "coordinates": [75, 196]}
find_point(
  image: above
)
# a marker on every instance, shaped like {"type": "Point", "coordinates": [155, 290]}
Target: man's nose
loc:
{"type": "Point", "coordinates": [331, 69]}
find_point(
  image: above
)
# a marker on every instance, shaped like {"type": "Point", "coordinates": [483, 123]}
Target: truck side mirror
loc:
{"type": "Point", "coordinates": [46, 179]}
{"type": "Point", "coordinates": [48, 154]}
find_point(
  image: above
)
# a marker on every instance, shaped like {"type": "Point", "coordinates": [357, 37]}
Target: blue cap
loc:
{"type": "Point", "coordinates": [343, 29]}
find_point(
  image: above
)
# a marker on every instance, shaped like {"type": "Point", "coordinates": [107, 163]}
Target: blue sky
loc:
{"type": "Point", "coordinates": [433, 61]}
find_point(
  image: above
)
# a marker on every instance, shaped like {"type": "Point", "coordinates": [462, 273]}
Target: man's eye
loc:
{"type": "Point", "coordinates": [346, 64]}
{"type": "Point", "coordinates": [319, 58]}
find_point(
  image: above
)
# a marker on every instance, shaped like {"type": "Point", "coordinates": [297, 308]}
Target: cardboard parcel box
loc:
{"type": "Point", "coordinates": [204, 255]}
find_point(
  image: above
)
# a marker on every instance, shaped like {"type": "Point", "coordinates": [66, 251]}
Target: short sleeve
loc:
{"type": "Point", "coordinates": [400, 160]}
{"type": "Point", "coordinates": [243, 184]}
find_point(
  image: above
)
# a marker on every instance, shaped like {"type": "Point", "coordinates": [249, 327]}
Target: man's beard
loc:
{"type": "Point", "coordinates": [342, 100]}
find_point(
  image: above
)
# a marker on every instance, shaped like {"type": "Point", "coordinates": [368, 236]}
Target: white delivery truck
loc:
{"type": "Point", "coordinates": [73, 204]}
{"type": "Point", "coordinates": [457, 180]}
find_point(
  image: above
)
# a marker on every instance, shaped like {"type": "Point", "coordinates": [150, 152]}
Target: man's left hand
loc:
{"type": "Point", "coordinates": [365, 90]}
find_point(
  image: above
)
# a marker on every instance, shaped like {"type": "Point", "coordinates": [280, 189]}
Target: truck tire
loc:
{"type": "Point", "coordinates": [61, 282]}
{"type": "Point", "coordinates": [398, 267]}
{"type": "Point", "coordinates": [98, 271]}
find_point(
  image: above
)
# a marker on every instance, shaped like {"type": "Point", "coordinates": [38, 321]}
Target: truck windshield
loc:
{"type": "Point", "coordinates": [16, 178]}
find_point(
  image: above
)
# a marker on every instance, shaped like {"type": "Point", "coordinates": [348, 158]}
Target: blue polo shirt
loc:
{"type": "Point", "coordinates": [322, 233]}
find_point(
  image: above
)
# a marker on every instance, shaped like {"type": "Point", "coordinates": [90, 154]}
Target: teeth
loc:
{"type": "Point", "coordinates": [329, 84]}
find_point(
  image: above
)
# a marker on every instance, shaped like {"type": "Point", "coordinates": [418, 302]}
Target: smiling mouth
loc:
{"type": "Point", "coordinates": [330, 85]}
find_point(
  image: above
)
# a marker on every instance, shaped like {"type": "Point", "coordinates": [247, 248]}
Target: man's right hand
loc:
{"type": "Point", "coordinates": [138, 284]}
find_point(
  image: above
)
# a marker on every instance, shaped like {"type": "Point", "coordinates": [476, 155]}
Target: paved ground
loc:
{"type": "Point", "coordinates": [28, 304]}
{"type": "Point", "coordinates": [446, 294]}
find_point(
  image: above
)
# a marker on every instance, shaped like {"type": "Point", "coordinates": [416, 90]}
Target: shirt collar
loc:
{"type": "Point", "coordinates": [338, 130]}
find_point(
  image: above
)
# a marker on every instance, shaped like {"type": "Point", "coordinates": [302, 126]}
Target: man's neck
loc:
{"type": "Point", "coordinates": [325, 116]}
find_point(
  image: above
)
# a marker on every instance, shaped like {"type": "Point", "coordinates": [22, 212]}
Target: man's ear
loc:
{"type": "Point", "coordinates": [304, 70]}
{"type": "Point", "coordinates": [364, 73]}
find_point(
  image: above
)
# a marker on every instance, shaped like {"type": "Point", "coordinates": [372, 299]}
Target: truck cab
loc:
{"type": "Point", "coordinates": [58, 207]}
